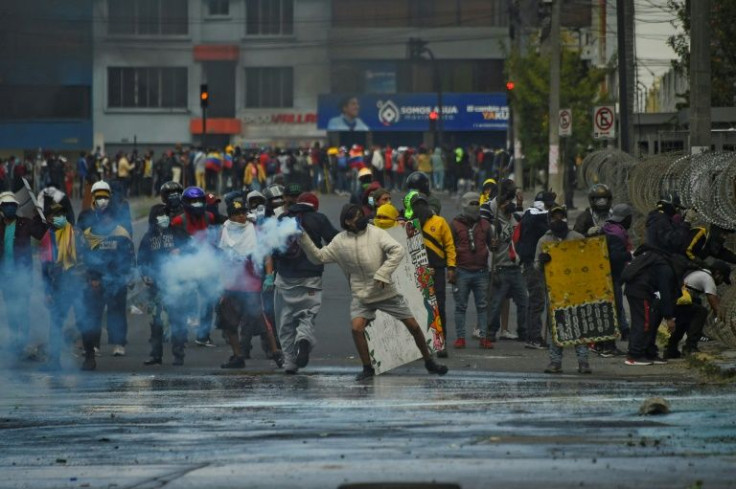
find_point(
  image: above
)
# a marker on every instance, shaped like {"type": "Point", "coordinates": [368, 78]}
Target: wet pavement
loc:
{"type": "Point", "coordinates": [323, 429]}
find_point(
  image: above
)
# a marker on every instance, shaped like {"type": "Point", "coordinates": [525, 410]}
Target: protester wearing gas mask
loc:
{"type": "Point", "coordinates": [109, 260]}
{"type": "Point", "coordinates": [17, 267]}
{"type": "Point", "coordinates": [590, 221]}
{"type": "Point", "coordinates": [472, 239]}
{"type": "Point", "coordinates": [156, 251]}
{"type": "Point", "coordinates": [559, 231]}
{"type": "Point", "coordinates": [369, 257]}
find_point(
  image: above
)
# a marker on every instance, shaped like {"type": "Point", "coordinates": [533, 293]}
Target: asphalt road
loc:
{"type": "Point", "coordinates": [494, 421]}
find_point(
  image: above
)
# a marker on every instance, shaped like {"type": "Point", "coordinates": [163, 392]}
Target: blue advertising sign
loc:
{"type": "Point", "coordinates": [410, 112]}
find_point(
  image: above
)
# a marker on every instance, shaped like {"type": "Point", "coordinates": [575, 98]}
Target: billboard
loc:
{"type": "Point", "coordinates": [410, 112]}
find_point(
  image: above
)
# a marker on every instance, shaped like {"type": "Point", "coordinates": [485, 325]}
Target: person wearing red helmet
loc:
{"type": "Point", "coordinates": [299, 285]}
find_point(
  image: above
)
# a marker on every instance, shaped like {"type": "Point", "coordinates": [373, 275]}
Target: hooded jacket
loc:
{"type": "Point", "coordinates": [366, 257]}
{"type": "Point", "coordinates": [294, 263]}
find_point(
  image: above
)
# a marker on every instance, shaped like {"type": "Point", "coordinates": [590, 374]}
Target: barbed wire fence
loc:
{"type": "Point", "coordinates": [706, 184]}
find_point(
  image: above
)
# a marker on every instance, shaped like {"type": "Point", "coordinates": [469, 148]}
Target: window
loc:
{"type": "Point", "coordinates": [218, 8]}
{"type": "Point", "coordinates": [269, 17]}
{"type": "Point", "coordinates": [269, 87]}
{"type": "Point", "coordinates": [148, 17]}
{"type": "Point", "coordinates": [147, 87]}
{"type": "Point", "coordinates": [419, 13]}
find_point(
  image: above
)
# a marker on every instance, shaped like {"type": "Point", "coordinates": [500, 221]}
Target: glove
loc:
{"type": "Point", "coordinates": [268, 282]}
{"type": "Point", "coordinates": [593, 231]}
{"type": "Point", "coordinates": [451, 275]}
{"type": "Point", "coordinates": [544, 258]}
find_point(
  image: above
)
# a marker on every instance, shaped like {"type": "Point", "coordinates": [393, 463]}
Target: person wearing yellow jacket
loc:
{"type": "Point", "coordinates": [440, 247]}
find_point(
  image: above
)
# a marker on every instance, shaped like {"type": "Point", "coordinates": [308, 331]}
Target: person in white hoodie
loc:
{"type": "Point", "coordinates": [369, 256]}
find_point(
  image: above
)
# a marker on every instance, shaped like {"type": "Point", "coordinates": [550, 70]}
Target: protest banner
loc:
{"type": "Point", "coordinates": [389, 342]}
{"type": "Point", "coordinates": [582, 307]}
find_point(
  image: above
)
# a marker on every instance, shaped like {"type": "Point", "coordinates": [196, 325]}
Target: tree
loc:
{"type": "Point", "coordinates": [580, 91]}
{"type": "Point", "coordinates": [723, 48]}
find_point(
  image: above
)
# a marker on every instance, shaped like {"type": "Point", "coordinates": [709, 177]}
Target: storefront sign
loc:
{"type": "Point", "coordinates": [410, 112]}
{"type": "Point", "coordinates": [282, 118]}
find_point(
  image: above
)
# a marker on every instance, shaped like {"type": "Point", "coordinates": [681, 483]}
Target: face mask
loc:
{"type": "Point", "coordinates": [101, 204]}
{"type": "Point", "coordinates": [601, 205]}
{"type": "Point", "coordinates": [197, 209]}
{"type": "Point", "coordinates": [472, 212]}
{"type": "Point", "coordinates": [509, 208]}
{"type": "Point", "coordinates": [626, 223]}
{"type": "Point", "coordinates": [174, 200]}
{"type": "Point", "coordinates": [163, 221]}
{"type": "Point", "coordinates": [558, 228]}
{"type": "Point", "coordinates": [58, 221]}
{"type": "Point", "coordinates": [9, 210]}
{"type": "Point", "coordinates": [361, 224]}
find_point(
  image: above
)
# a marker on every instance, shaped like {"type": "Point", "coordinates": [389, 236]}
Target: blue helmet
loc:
{"type": "Point", "coordinates": [193, 193]}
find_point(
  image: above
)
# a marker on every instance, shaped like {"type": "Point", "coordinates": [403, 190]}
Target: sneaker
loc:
{"type": "Point", "coordinates": [434, 367]}
{"type": "Point", "coordinates": [704, 339]}
{"type": "Point", "coordinates": [637, 361]}
{"type": "Point", "coordinates": [459, 343]}
{"type": "Point", "coordinates": [234, 362]}
{"type": "Point", "coordinates": [178, 361]}
{"type": "Point", "coordinates": [584, 368]}
{"type": "Point", "coordinates": [553, 368]}
{"type": "Point", "coordinates": [302, 353]}
{"type": "Point", "coordinates": [153, 361]}
{"type": "Point", "coordinates": [606, 353]}
{"type": "Point", "coordinates": [657, 360]}
{"type": "Point", "coordinates": [118, 351]}
{"type": "Point", "coordinates": [486, 344]}
{"type": "Point", "coordinates": [89, 363]}
{"type": "Point", "coordinates": [367, 373]}
{"type": "Point", "coordinates": [508, 335]}
{"type": "Point", "coordinates": [477, 334]}
{"type": "Point", "coordinates": [207, 342]}
{"type": "Point", "coordinates": [278, 359]}
{"type": "Point", "coordinates": [442, 354]}
{"type": "Point", "coordinates": [535, 345]}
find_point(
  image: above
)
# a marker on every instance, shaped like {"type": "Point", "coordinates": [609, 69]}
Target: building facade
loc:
{"type": "Point", "coordinates": [267, 62]}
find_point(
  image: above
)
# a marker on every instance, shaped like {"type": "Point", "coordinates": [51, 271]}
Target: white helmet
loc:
{"type": "Point", "coordinates": [101, 186]}
{"type": "Point", "coordinates": [8, 198]}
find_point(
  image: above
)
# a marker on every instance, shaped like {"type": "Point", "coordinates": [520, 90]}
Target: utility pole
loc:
{"type": "Point", "coordinates": [516, 32]}
{"type": "Point", "coordinates": [416, 48]}
{"type": "Point", "coordinates": [700, 78]}
{"type": "Point", "coordinates": [556, 169]}
{"type": "Point", "coordinates": [626, 75]}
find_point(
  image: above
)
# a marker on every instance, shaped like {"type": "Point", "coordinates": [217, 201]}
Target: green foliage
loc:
{"type": "Point", "coordinates": [580, 90]}
{"type": "Point", "coordinates": [723, 48]}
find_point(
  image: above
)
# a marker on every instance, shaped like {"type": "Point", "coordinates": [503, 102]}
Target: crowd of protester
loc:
{"type": "Point", "coordinates": [266, 253]}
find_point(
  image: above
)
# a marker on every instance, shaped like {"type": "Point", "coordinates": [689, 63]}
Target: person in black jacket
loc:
{"type": "Point", "coordinates": [532, 226]}
{"type": "Point", "coordinates": [299, 285]}
{"type": "Point", "coordinates": [590, 221]}
{"type": "Point", "coordinates": [159, 245]}
{"type": "Point", "coordinates": [616, 231]}
{"type": "Point", "coordinates": [665, 226]}
{"type": "Point", "coordinates": [651, 289]}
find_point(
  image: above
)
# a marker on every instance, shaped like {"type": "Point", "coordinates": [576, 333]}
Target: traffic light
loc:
{"type": "Point", "coordinates": [510, 85]}
{"type": "Point", "coordinates": [204, 96]}
{"type": "Point", "coordinates": [433, 118]}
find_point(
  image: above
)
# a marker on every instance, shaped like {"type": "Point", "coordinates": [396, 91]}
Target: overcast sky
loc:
{"type": "Point", "coordinates": [653, 27]}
